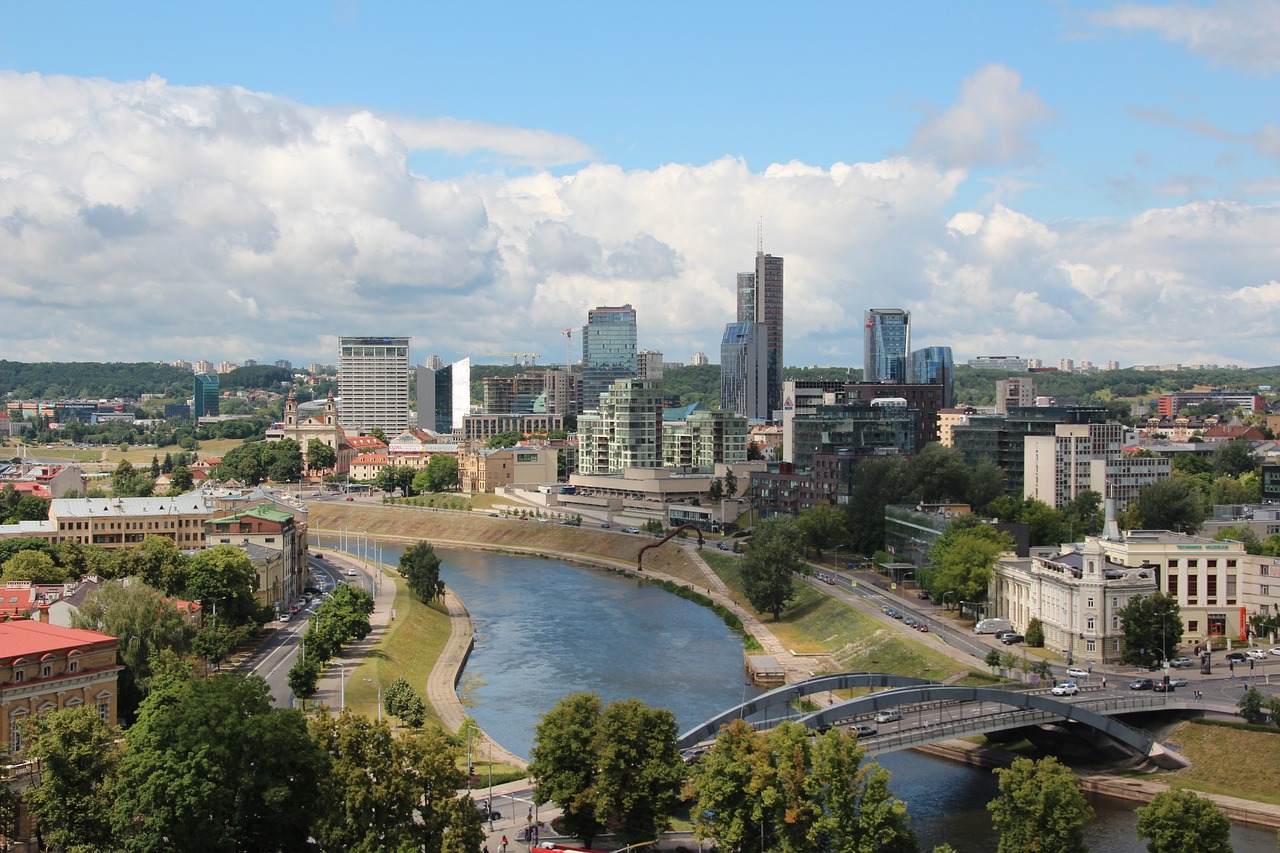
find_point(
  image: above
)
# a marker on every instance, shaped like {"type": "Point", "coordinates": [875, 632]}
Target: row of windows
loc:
{"type": "Point", "coordinates": [168, 524]}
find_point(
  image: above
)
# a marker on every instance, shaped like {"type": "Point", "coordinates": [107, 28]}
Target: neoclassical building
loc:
{"type": "Point", "coordinates": [323, 427]}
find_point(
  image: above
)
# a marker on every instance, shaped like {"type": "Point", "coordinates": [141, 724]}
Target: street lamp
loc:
{"type": "Point", "coordinates": [342, 679]}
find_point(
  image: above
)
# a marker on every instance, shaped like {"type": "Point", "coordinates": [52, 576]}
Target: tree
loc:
{"type": "Point", "coordinates": [143, 622]}
{"type": "Point", "coordinates": [1172, 504]}
{"type": "Point", "coordinates": [388, 793]}
{"type": "Point", "coordinates": [33, 566]}
{"type": "Point", "coordinates": [420, 566]}
{"type": "Point", "coordinates": [938, 473]}
{"type": "Point", "coordinates": [1152, 627]}
{"type": "Point", "coordinates": [320, 456]}
{"type": "Point", "coordinates": [639, 771]}
{"type": "Point", "coordinates": [964, 556]}
{"type": "Point", "coordinates": [730, 484]}
{"type": "Point", "coordinates": [1046, 525]}
{"type": "Point", "coordinates": [993, 659]}
{"type": "Point", "coordinates": [853, 807]}
{"type": "Point", "coordinates": [1251, 706]}
{"type": "Point", "coordinates": [772, 559]}
{"type": "Point", "coordinates": [442, 473]}
{"type": "Point", "coordinates": [180, 481]}
{"type": "Point", "coordinates": [1234, 458]}
{"type": "Point", "coordinates": [510, 438]}
{"type": "Point", "coordinates": [404, 702]}
{"type": "Point", "coordinates": [565, 766]}
{"type": "Point", "coordinates": [129, 482]}
{"type": "Point", "coordinates": [223, 579]}
{"type": "Point", "coordinates": [822, 528]}
{"type": "Point", "coordinates": [1040, 808]}
{"type": "Point", "coordinates": [282, 460]}
{"type": "Point", "coordinates": [210, 765]}
{"type": "Point", "coordinates": [161, 564]}
{"type": "Point", "coordinates": [78, 756]}
{"type": "Point", "coordinates": [1181, 821]}
{"type": "Point", "coordinates": [1035, 633]}
{"type": "Point", "coordinates": [715, 492]}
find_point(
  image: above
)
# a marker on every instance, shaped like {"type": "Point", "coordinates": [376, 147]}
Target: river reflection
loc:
{"type": "Point", "coordinates": [545, 628]}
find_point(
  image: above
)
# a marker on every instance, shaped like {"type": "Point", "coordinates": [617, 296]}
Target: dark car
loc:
{"type": "Point", "coordinates": [1142, 684]}
{"type": "Point", "coordinates": [1163, 686]}
{"type": "Point", "coordinates": [1236, 657]}
{"type": "Point", "coordinates": [923, 595]}
{"type": "Point", "coordinates": [862, 730]}
{"type": "Point", "coordinates": [1010, 639]}
{"type": "Point", "coordinates": [999, 635]}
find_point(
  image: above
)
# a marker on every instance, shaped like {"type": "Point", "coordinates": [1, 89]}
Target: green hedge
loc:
{"type": "Point", "coordinates": [1246, 727]}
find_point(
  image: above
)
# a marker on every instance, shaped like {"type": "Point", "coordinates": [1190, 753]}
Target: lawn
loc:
{"type": "Point", "coordinates": [816, 622]}
{"type": "Point", "coordinates": [107, 458]}
{"type": "Point", "coordinates": [1227, 760]}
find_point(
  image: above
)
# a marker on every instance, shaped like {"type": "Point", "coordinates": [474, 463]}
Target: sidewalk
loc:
{"type": "Point", "coordinates": [330, 688]}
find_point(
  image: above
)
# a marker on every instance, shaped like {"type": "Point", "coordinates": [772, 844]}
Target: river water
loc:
{"type": "Point", "coordinates": [545, 628]}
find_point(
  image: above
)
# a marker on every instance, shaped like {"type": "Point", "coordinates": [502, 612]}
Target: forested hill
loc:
{"type": "Point", "coordinates": [59, 380]}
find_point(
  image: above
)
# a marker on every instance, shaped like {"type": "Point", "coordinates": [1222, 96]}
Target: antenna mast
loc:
{"type": "Point", "coordinates": [760, 236]}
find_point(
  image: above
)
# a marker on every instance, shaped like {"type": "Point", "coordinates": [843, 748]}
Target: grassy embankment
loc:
{"type": "Point", "coordinates": [109, 457]}
{"type": "Point", "coordinates": [1229, 760]}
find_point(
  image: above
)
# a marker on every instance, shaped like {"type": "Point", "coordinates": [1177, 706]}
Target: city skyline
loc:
{"type": "Point", "coordinates": [1051, 180]}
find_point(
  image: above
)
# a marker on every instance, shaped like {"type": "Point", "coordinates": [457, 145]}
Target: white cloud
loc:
{"type": "Point", "coordinates": [1240, 33]}
{"type": "Point", "coordinates": [142, 220]}
{"type": "Point", "coordinates": [987, 126]}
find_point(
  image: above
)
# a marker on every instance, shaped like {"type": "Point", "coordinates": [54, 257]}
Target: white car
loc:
{"type": "Point", "coordinates": [1276, 651]}
{"type": "Point", "coordinates": [1257, 654]}
{"type": "Point", "coordinates": [888, 715]}
{"type": "Point", "coordinates": [1077, 672]}
{"type": "Point", "coordinates": [351, 573]}
{"type": "Point", "coordinates": [1067, 688]}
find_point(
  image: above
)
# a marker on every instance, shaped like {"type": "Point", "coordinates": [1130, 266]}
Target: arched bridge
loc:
{"type": "Point", "coordinates": [934, 712]}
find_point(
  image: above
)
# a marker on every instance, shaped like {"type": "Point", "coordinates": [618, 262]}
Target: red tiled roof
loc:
{"type": "Point", "coordinates": [27, 637]}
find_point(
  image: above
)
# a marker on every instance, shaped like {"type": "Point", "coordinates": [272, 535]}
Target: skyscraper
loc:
{"type": "Point", "coordinates": [373, 382]}
{"type": "Point", "coordinates": [608, 351]}
{"type": "Point", "coordinates": [886, 340]}
{"type": "Point", "coordinates": [933, 366]}
{"type": "Point", "coordinates": [204, 400]}
{"type": "Point", "coordinates": [760, 301]}
{"type": "Point", "coordinates": [444, 396]}
{"type": "Point", "coordinates": [744, 370]}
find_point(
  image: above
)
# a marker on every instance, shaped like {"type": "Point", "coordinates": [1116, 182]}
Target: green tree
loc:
{"type": "Point", "coordinates": [1152, 627]}
{"type": "Point", "coordinates": [33, 566]}
{"type": "Point", "coordinates": [404, 702]}
{"type": "Point", "coordinates": [565, 764]}
{"type": "Point", "coordinates": [726, 808]}
{"type": "Point", "coordinates": [1035, 633]}
{"type": "Point", "coordinates": [715, 492]}
{"type": "Point", "coordinates": [993, 659]}
{"type": "Point", "coordinates": [161, 564]}
{"type": "Point", "coordinates": [1172, 504]}
{"type": "Point", "coordinates": [876, 484]}
{"type": "Point", "coordinates": [1040, 808]}
{"type": "Point", "coordinates": [78, 756]}
{"type": "Point", "coordinates": [1234, 458]}
{"type": "Point", "coordinates": [510, 438]}
{"type": "Point", "coordinates": [129, 482]}
{"type": "Point", "coordinates": [964, 556]}
{"type": "Point", "coordinates": [282, 460]}
{"type": "Point", "coordinates": [822, 528]}
{"type": "Point", "coordinates": [639, 771]}
{"type": "Point", "coordinates": [852, 805]}
{"type": "Point", "coordinates": [1046, 525]}
{"type": "Point", "coordinates": [210, 765]}
{"type": "Point", "coordinates": [223, 579]}
{"type": "Point", "coordinates": [320, 456]}
{"type": "Point", "coordinates": [382, 792]}
{"type": "Point", "coordinates": [1084, 514]}
{"type": "Point", "coordinates": [730, 484]}
{"type": "Point", "coordinates": [304, 677]}
{"type": "Point", "coordinates": [772, 559]}
{"type": "Point", "coordinates": [1251, 706]}
{"type": "Point", "coordinates": [1181, 821]}
{"type": "Point", "coordinates": [420, 566]}
{"type": "Point", "coordinates": [216, 639]}
{"type": "Point", "coordinates": [180, 481]}
{"type": "Point", "coordinates": [938, 474]}
{"type": "Point", "coordinates": [143, 622]}
{"type": "Point", "coordinates": [442, 473]}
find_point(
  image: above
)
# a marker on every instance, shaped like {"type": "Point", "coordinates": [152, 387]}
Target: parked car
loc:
{"type": "Point", "coordinates": [1141, 684]}
{"type": "Point", "coordinates": [1182, 662]}
{"type": "Point", "coordinates": [1011, 639]}
{"type": "Point", "coordinates": [1077, 672]}
{"type": "Point", "coordinates": [1236, 657]}
{"type": "Point", "coordinates": [862, 729]}
{"type": "Point", "coordinates": [1257, 654]}
{"type": "Point", "coordinates": [923, 595]}
{"type": "Point", "coordinates": [888, 715]}
{"type": "Point", "coordinates": [999, 635]}
{"type": "Point", "coordinates": [1275, 651]}
{"type": "Point", "coordinates": [1067, 688]}
{"type": "Point", "coordinates": [922, 628]}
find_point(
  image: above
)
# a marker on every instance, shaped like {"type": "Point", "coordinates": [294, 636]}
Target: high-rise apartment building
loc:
{"type": "Point", "coordinates": [625, 431]}
{"type": "Point", "coordinates": [698, 359]}
{"type": "Point", "coordinates": [744, 370]}
{"type": "Point", "coordinates": [886, 340]}
{"type": "Point", "coordinates": [649, 364]}
{"type": "Point", "coordinates": [204, 401]}
{"type": "Point", "coordinates": [1015, 392]}
{"type": "Point", "coordinates": [444, 396]}
{"type": "Point", "coordinates": [760, 301]}
{"type": "Point", "coordinates": [373, 382]}
{"type": "Point", "coordinates": [608, 351]}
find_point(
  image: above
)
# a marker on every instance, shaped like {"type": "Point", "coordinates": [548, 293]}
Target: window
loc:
{"type": "Point", "coordinates": [1264, 590]}
{"type": "Point", "coordinates": [15, 730]}
{"type": "Point", "coordinates": [1090, 645]}
{"type": "Point", "coordinates": [73, 665]}
{"type": "Point", "coordinates": [103, 704]}
{"type": "Point", "coordinates": [46, 671]}
{"type": "Point", "coordinates": [1193, 626]}
{"type": "Point", "coordinates": [1217, 624]}
{"type": "Point", "coordinates": [1193, 588]}
{"type": "Point", "coordinates": [1088, 624]}
{"type": "Point", "coordinates": [19, 676]}
{"type": "Point", "coordinates": [1089, 601]}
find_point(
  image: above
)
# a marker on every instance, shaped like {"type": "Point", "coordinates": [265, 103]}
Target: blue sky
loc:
{"type": "Point", "coordinates": [1058, 180]}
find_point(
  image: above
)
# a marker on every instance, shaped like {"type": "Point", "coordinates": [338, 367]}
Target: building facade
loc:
{"type": "Point", "coordinates": [444, 396]}
{"type": "Point", "coordinates": [1086, 457]}
{"type": "Point", "coordinates": [282, 570]}
{"type": "Point", "coordinates": [1015, 392]}
{"type": "Point", "coordinates": [705, 439]}
{"type": "Point", "coordinates": [608, 351]}
{"type": "Point", "coordinates": [933, 366]}
{"type": "Point", "coordinates": [626, 431]}
{"type": "Point", "coordinates": [484, 427]}
{"type": "Point", "coordinates": [483, 470]}
{"type": "Point", "coordinates": [373, 382]}
{"type": "Point", "coordinates": [886, 340]}
{"type": "Point", "coordinates": [204, 400]}
{"type": "Point", "coordinates": [744, 370]}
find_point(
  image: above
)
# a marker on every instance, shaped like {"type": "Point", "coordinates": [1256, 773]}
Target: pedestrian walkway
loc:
{"type": "Point", "coordinates": [330, 690]}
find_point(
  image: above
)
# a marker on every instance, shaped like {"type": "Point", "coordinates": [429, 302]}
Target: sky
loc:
{"type": "Point", "coordinates": [247, 180]}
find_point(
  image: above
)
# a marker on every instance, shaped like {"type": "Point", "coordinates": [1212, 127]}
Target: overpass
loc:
{"type": "Point", "coordinates": [933, 712]}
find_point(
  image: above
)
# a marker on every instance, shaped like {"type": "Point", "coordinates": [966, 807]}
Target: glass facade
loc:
{"type": "Point", "coordinates": [608, 351]}
{"type": "Point", "coordinates": [886, 339]}
{"type": "Point", "coordinates": [933, 366]}
{"type": "Point", "coordinates": [205, 399]}
{"type": "Point", "coordinates": [744, 374]}
{"type": "Point", "coordinates": [858, 427]}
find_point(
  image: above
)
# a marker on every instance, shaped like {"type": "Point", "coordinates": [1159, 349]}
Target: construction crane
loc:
{"type": "Point", "coordinates": [568, 348]}
{"type": "Point", "coordinates": [525, 358]}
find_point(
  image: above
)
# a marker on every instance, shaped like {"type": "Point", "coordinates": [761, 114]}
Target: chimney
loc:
{"type": "Point", "coordinates": [44, 613]}
{"type": "Point", "coordinates": [1110, 527]}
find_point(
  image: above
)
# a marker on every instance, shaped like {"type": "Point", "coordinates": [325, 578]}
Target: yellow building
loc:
{"type": "Point", "coordinates": [484, 470]}
{"type": "Point", "coordinates": [123, 522]}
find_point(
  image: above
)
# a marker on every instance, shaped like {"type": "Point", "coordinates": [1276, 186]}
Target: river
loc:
{"type": "Point", "coordinates": [545, 628]}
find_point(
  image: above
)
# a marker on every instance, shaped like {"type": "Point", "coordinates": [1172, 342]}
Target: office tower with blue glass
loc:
{"type": "Point", "coordinates": [744, 370]}
{"type": "Point", "coordinates": [886, 340]}
{"type": "Point", "coordinates": [933, 366]}
{"type": "Point", "coordinates": [204, 401]}
{"type": "Point", "coordinates": [608, 351]}
{"type": "Point", "coordinates": [760, 301]}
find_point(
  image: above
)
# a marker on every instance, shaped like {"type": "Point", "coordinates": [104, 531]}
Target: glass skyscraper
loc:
{"type": "Point", "coordinates": [744, 370]}
{"type": "Point", "coordinates": [933, 366]}
{"type": "Point", "coordinates": [608, 351]}
{"type": "Point", "coordinates": [760, 301]}
{"type": "Point", "coordinates": [205, 399]}
{"type": "Point", "coordinates": [886, 340]}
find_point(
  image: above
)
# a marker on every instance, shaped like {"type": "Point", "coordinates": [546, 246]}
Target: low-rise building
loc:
{"type": "Point", "coordinates": [483, 470]}
{"type": "Point", "coordinates": [274, 541]}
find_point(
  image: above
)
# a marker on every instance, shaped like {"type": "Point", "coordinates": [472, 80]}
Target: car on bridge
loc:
{"type": "Point", "coordinates": [1142, 684]}
{"type": "Point", "coordinates": [862, 730]}
{"type": "Point", "coordinates": [1182, 662]}
{"type": "Point", "coordinates": [888, 715]}
{"type": "Point", "coordinates": [1067, 688]}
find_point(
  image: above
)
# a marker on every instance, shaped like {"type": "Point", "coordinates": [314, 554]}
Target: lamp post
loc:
{"type": "Point", "coordinates": [342, 680]}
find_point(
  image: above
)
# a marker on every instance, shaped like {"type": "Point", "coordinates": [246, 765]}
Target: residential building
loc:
{"type": "Point", "coordinates": [803, 399]}
{"type": "Point", "coordinates": [1015, 392]}
{"type": "Point", "coordinates": [626, 430]}
{"type": "Point", "coordinates": [933, 366]}
{"type": "Point", "coordinates": [698, 359]}
{"type": "Point", "coordinates": [486, 469]}
{"type": "Point", "coordinates": [1260, 585]}
{"type": "Point", "coordinates": [444, 396]}
{"type": "Point", "coordinates": [886, 340]}
{"type": "Point", "coordinates": [204, 402]}
{"type": "Point", "coordinates": [46, 668]}
{"type": "Point", "coordinates": [505, 395]}
{"type": "Point", "coordinates": [47, 481]}
{"type": "Point", "coordinates": [279, 554]}
{"type": "Point", "coordinates": [949, 419]}
{"type": "Point", "coordinates": [484, 427]}
{"type": "Point", "coordinates": [778, 490]}
{"type": "Point", "coordinates": [119, 522]}
{"type": "Point", "coordinates": [608, 351]}
{"type": "Point", "coordinates": [744, 370]}
{"type": "Point", "coordinates": [1001, 438]}
{"type": "Point", "coordinates": [705, 439]}
{"type": "Point", "coordinates": [1250, 401]}
{"type": "Point", "coordinates": [1011, 363]}
{"type": "Point", "coordinates": [862, 427]}
{"type": "Point", "coordinates": [1077, 458]}
{"type": "Point", "coordinates": [649, 364]}
{"type": "Point", "coordinates": [373, 382]}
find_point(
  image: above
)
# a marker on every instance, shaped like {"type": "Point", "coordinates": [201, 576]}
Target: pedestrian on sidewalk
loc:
{"type": "Point", "coordinates": [503, 846]}
{"type": "Point", "coordinates": [1104, 682]}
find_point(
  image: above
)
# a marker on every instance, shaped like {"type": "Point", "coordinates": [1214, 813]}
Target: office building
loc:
{"type": "Point", "coordinates": [373, 383]}
{"type": "Point", "coordinates": [1002, 439]}
{"type": "Point", "coordinates": [625, 431]}
{"type": "Point", "coordinates": [444, 396]}
{"type": "Point", "coordinates": [1077, 458]}
{"type": "Point", "coordinates": [886, 340]}
{"type": "Point", "coordinates": [608, 351]}
{"type": "Point", "coordinates": [1011, 363]}
{"type": "Point", "coordinates": [933, 366]}
{"type": "Point", "coordinates": [204, 402]}
{"type": "Point", "coordinates": [744, 370]}
{"type": "Point", "coordinates": [760, 300]}
{"type": "Point", "coordinates": [649, 364]}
